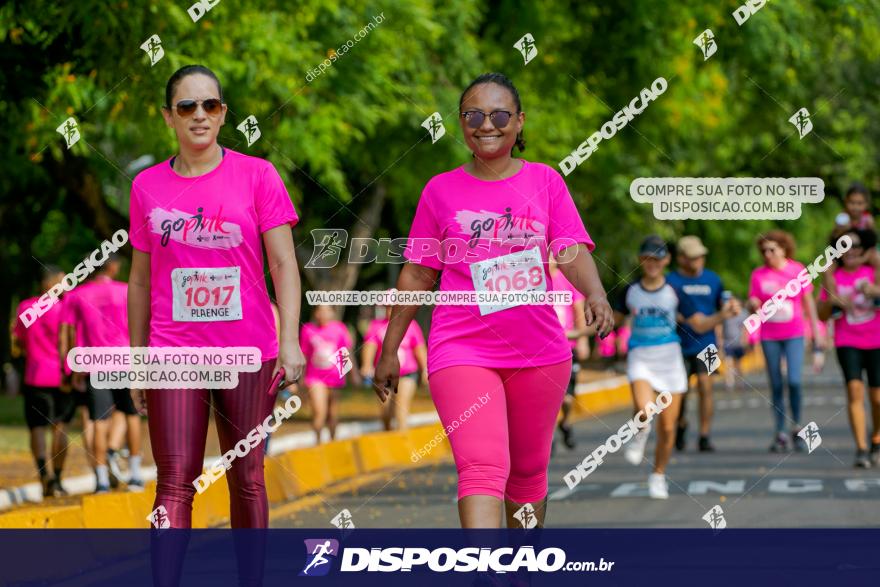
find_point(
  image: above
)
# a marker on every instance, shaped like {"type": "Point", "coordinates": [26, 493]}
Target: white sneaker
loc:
{"type": "Point", "coordinates": [657, 486]}
{"type": "Point", "coordinates": [635, 448]}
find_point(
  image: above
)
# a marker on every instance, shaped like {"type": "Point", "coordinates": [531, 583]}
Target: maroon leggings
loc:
{"type": "Point", "coordinates": [178, 420]}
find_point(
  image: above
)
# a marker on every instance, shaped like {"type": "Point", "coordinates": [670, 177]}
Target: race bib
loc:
{"type": "Point", "coordinates": [210, 294]}
{"type": "Point", "coordinates": [324, 355]}
{"type": "Point", "coordinates": [863, 307]}
{"type": "Point", "coordinates": [519, 272]}
{"type": "Point", "coordinates": [784, 312]}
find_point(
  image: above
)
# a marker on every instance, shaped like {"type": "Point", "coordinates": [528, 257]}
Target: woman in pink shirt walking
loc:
{"type": "Point", "coordinates": [322, 342]}
{"type": "Point", "coordinates": [497, 371]}
{"type": "Point", "coordinates": [782, 334]}
{"type": "Point", "coordinates": [857, 339]}
{"type": "Point", "coordinates": [46, 405]}
{"type": "Point", "coordinates": [200, 222]}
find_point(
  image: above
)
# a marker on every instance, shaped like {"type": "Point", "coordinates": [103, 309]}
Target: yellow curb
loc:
{"type": "Point", "coordinates": [381, 450]}
{"type": "Point", "coordinates": [211, 508]}
{"type": "Point", "coordinates": [430, 440]}
{"type": "Point", "coordinates": [280, 484]}
{"type": "Point", "coordinates": [308, 467]}
{"type": "Point", "coordinates": [342, 459]}
{"type": "Point", "coordinates": [117, 510]}
{"type": "Point", "coordinates": [70, 516]}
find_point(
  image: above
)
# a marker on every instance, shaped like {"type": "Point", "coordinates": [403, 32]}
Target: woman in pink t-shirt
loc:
{"type": "Point", "coordinates": [857, 339]}
{"type": "Point", "coordinates": [497, 371]}
{"type": "Point", "coordinates": [782, 332]}
{"type": "Point", "coordinates": [46, 405]}
{"type": "Point", "coordinates": [413, 357]}
{"type": "Point", "coordinates": [327, 346]}
{"type": "Point", "coordinates": [199, 224]}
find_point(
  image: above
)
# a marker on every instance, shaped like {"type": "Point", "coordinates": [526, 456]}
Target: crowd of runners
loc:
{"type": "Point", "coordinates": [210, 213]}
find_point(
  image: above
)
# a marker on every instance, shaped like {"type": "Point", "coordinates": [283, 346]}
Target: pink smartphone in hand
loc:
{"type": "Point", "coordinates": [276, 381]}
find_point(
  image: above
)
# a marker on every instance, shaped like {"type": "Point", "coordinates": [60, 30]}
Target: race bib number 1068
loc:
{"type": "Point", "coordinates": [206, 294]}
{"type": "Point", "coordinates": [522, 272]}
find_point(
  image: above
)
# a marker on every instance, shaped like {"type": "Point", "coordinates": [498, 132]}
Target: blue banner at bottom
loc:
{"type": "Point", "coordinates": [134, 558]}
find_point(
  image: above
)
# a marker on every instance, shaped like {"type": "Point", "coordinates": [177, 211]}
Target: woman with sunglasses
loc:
{"type": "Point", "coordinates": [857, 339]}
{"type": "Point", "coordinates": [782, 335]}
{"type": "Point", "coordinates": [204, 216]}
{"type": "Point", "coordinates": [497, 373]}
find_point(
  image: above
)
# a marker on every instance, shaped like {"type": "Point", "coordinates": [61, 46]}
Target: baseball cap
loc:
{"type": "Point", "coordinates": [653, 246]}
{"type": "Point", "coordinates": [691, 247]}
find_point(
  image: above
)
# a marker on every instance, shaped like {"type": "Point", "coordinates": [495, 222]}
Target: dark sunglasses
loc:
{"type": "Point", "coordinates": [475, 118]}
{"type": "Point", "coordinates": [211, 106]}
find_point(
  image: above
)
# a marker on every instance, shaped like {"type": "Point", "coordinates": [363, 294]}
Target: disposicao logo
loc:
{"type": "Point", "coordinates": [319, 555]}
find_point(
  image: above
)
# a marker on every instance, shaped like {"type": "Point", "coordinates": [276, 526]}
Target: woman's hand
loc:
{"type": "Point", "coordinates": [387, 375]}
{"type": "Point", "coordinates": [139, 398]}
{"type": "Point", "coordinates": [599, 314]}
{"type": "Point", "coordinates": [290, 357]}
{"type": "Point", "coordinates": [753, 304]}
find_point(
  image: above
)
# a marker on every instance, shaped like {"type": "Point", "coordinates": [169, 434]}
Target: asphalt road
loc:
{"type": "Point", "coordinates": [754, 487]}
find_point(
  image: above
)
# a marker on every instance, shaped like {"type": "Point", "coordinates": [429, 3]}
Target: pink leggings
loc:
{"type": "Point", "coordinates": [178, 420]}
{"type": "Point", "coordinates": [500, 424]}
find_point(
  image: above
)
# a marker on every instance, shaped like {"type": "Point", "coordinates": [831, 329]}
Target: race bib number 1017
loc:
{"type": "Point", "coordinates": [206, 294]}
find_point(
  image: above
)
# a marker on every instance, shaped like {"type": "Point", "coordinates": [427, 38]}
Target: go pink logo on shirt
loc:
{"type": "Point", "coordinates": [485, 224]}
{"type": "Point", "coordinates": [198, 230]}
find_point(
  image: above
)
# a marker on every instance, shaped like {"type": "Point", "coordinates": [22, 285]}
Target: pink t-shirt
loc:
{"type": "Point", "coordinates": [489, 219]}
{"type": "Point", "coordinates": [565, 312]}
{"type": "Point", "coordinates": [412, 339]}
{"type": "Point", "coordinates": [42, 365]}
{"type": "Point", "coordinates": [788, 321]}
{"type": "Point", "coordinates": [203, 234]}
{"type": "Point", "coordinates": [319, 345]}
{"type": "Point", "coordinates": [99, 311]}
{"type": "Point", "coordinates": [859, 328]}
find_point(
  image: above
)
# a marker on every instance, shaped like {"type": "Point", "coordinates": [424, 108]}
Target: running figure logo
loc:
{"type": "Point", "coordinates": [526, 516]}
{"type": "Point", "coordinates": [328, 246]}
{"type": "Point", "coordinates": [250, 130]}
{"type": "Point", "coordinates": [706, 43]}
{"type": "Point", "coordinates": [343, 361]}
{"type": "Point", "coordinates": [715, 518]}
{"type": "Point", "coordinates": [434, 125]}
{"type": "Point", "coordinates": [709, 356]}
{"type": "Point", "coordinates": [159, 518]}
{"type": "Point", "coordinates": [810, 434]}
{"type": "Point", "coordinates": [70, 131]}
{"type": "Point", "coordinates": [526, 46]}
{"type": "Point", "coordinates": [153, 48]}
{"type": "Point", "coordinates": [801, 121]}
{"type": "Point", "coordinates": [318, 552]}
{"type": "Point", "coordinates": [343, 520]}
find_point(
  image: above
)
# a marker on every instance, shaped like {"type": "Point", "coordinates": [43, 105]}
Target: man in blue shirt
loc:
{"type": "Point", "coordinates": [704, 288]}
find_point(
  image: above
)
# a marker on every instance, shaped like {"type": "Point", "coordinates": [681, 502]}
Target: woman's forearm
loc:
{"type": "Point", "coordinates": [286, 279]}
{"type": "Point", "coordinates": [412, 278]}
{"type": "Point", "coordinates": [581, 272]}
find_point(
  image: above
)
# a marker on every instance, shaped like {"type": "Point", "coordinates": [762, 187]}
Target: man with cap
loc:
{"type": "Point", "coordinates": [704, 287]}
{"type": "Point", "coordinates": [655, 367]}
